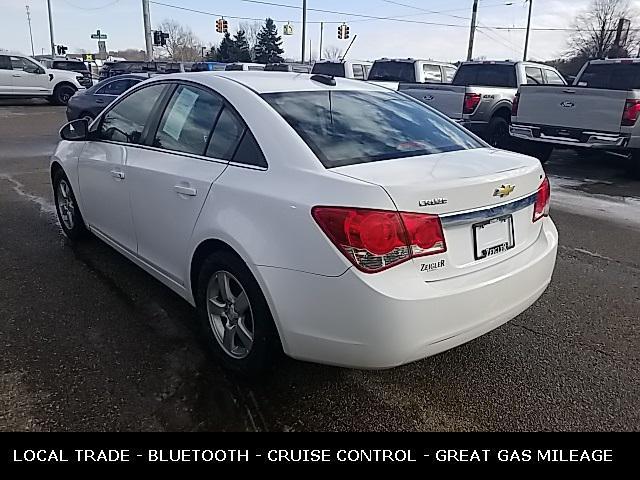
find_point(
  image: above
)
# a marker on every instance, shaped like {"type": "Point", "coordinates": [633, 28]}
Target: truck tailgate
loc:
{"type": "Point", "coordinates": [447, 99]}
{"type": "Point", "coordinates": [571, 107]}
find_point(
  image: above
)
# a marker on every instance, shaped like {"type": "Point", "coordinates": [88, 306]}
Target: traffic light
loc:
{"type": "Point", "coordinates": [288, 29]}
{"type": "Point", "coordinates": [339, 32]}
{"type": "Point", "coordinates": [61, 49]}
{"type": "Point", "coordinates": [222, 26]}
{"type": "Point", "coordinates": [163, 38]}
{"type": "Point", "coordinates": [343, 32]}
{"type": "Point", "coordinates": [157, 37]}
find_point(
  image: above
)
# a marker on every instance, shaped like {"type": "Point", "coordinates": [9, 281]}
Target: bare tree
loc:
{"type": "Point", "coordinates": [596, 30]}
{"type": "Point", "coordinates": [182, 44]}
{"type": "Point", "coordinates": [332, 53]}
{"type": "Point", "coordinates": [251, 30]}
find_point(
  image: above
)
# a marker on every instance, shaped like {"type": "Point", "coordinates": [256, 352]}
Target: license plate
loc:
{"type": "Point", "coordinates": [493, 237]}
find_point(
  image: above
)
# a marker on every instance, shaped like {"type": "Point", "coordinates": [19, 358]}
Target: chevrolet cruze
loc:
{"type": "Point", "coordinates": [332, 219]}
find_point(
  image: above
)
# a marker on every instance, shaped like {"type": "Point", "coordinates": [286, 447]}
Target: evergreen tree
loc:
{"type": "Point", "coordinates": [241, 47]}
{"type": "Point", "coordinates": [226, 50]}
{"type": "Point", "coordinates": [212, 54]}
{"type": "Point", "coordinates": [268, 45]}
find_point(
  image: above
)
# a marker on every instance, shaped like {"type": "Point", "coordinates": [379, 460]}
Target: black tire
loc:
{"type": "Point", "coordinates": [62, 94]}
{"type": "Point", "coordinates": [265, 347]}
{"type": "Point", "coordinates": [541, 151]}
{"type": "Point", "coordinates": [498, 133]}
{"type": "Point", "coordinates": [67, 208]}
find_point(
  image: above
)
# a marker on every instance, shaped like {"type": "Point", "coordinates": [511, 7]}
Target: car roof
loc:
{"type": "Point", "coordinates": [413, 60]}
{"type": "Point", "coordinates": [346, 62]}
{"type": "Point", "coordinates": [605, 61]}
{"type": "Point", "coordinates": [267, 82]}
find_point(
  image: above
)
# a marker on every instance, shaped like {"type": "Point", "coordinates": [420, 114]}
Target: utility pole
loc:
{"type": "Point", "coordinates": [304, 27]}
{"type": "Point", "coordinates": [30, 34]}
{"type": "Point", "coordinates": [53, 46]}
{"type": "Point", "coordinates": [321, 34]}
{"type": "Point", "coordinates": [472, 33]}
{"type": "Point", "coordinates": [526, 39]}
{"type": "Point", "coordinates": [146, 17]}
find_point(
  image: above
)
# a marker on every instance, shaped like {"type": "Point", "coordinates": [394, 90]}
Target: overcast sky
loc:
{"type": "Point", "coordinates": [121, 20]}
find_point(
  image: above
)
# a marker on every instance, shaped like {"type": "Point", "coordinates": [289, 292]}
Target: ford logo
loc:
{"type": "Point", "coordinates": [567, 104]}
{"type": "Point", "coordinates": [429, 97]}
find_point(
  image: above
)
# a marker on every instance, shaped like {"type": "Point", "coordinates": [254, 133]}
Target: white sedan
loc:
{"type": "Point", "coordinates": [336, 220]}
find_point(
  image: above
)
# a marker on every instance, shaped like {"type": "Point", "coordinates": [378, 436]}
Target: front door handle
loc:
{"type": "Point", "coordinates": [99, 100]}
{"type": "Point", "coordinates": [17, 75]}
{"type": "Point", "coordinates": [117, 174]}
{"type": "Point", "coordinates": [181, 189]}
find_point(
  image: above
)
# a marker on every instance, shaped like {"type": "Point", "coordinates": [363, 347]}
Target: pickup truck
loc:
{"type": "Point", "coordinates": [481, 95]}
{"type": "Point", "coordinates": [357, 69]}
{"type": "Point", "coordinates": [599, 111]}
{"type": "Point", "coordinates": [392, 72]}
{"type": "Point", "coordinates": [24, 77]}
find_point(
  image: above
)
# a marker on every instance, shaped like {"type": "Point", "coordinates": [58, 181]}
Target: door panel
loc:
{"type": "Point", "coordinates": [104, 189]}
{"type": "Point", "coordinates": [6, 75]}
{"type": "Point", "coordinates": [26, 82]}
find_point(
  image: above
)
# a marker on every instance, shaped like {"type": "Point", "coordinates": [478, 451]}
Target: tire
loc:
{"type": "Point", "coordinates": [244, 339]}
{"type": "Point", "coordinates": [498, 133]}
{"type": "Point", "coordinates": [62, 94]}
{"type": "Point", "coordinates": [541, 151]}
{"type": "Point", "coordinates": [67, 209]}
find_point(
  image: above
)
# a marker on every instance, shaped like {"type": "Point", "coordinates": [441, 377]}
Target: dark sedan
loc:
{"type": "Point", "coordinates": [90, 102]}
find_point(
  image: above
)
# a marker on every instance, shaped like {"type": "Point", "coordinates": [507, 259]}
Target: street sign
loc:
{"type": "Point", "coordinates": [87, 57]}
{"type": "Point", "coordinates": [98, 35]}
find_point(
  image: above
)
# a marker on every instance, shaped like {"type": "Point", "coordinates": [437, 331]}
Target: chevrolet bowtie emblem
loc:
{"type": "Point", "coordinates": [504, 190]}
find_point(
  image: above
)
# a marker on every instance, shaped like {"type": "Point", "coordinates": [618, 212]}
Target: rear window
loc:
{"type": "Point", "coordinates": [393, 72]}
{"type": "Point", "coordinates": [233, 67]}
{"type": "Point", "coordinates": [612, 76]}
{"type": "Point", "coordinates": [350, 127]}
{"type": "Point", "coordinates": [487, 75]}
{"type": "Point", "coordinates": [333, 69]}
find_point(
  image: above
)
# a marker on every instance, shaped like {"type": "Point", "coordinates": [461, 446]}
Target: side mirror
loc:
{"type": "Point", "coordinates": [76, 130]}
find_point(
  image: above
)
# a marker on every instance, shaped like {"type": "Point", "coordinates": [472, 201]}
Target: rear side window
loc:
{"type": "Point", "coordinates": [612, 76]}
{"type": "Point", "coordinates": [126, 121]}
{"type": "Point", "coordinates": [553, 78]}
{"type": "Point", "coordinates": [226, 135]}
{"type": "Point", "coordinates": [449, 73]}
{"type": "Point", "coordinates": [5, 63]}
{"type": "Point", "coordinates": [534, 76]}
{"type": "Point", "coordinates": [117, 87]}
{"type": "Point", "coordinates": [432, 73]}
{"type": "Point", "coordinates": [488, 75]}
{"type": "Point", "coordinates": [248, 152]}
{"type": "Point", "coordinates": [393, 72]}
{"type": "Point", "coordinates": [328, 68]}
{"type": "Point", "coordinates": [350, 127]}
{"type": "Point", "coordinates": [188, 120]}
{"type": "Point", "coordinates": [358, 72]}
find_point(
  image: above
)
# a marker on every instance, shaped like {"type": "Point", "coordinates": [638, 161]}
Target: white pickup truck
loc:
{"type": "Point", "coordinates": [599, 111]}
{"type": "Point", "coordinates": [24, 77]}
{"type": "Point", "coordinates": [393, 72]}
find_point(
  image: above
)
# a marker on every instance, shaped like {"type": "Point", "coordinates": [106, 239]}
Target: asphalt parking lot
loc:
{"type": "Point", "coordinates": [91, 342]}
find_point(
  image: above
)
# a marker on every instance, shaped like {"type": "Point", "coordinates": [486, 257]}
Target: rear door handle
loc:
{"type": "Point", "coordinates": [569, 91]}
{"type": "Point", "coordinates": [17, 75]}
{"type": "Point", "coordinates": [117, 174]}
{"type": "Point", "coordinates": [191, 192]}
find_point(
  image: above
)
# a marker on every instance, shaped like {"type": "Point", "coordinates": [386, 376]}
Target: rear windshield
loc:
{"type": "Point", "coordinates": [277, 68]}
{"type": "Point", "coordinates": [233, 67]}
{"type": "Point", "coordinates": [350, 127]}
{"type": "Point", "coordinates": [333, 69]}
{"type": "Point", "coordinates": [612, 76]}
{"type": "Point", "coordinates": [70, 66]}
{"type": "Point", "coordinates": [486, 75]}
{"type": "Point", "coordinates": [393, 72]}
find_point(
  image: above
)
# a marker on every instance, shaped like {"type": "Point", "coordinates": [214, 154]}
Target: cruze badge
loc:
{"type": "Point", "coordinates": [504, 190]}
{"type": "Point", "coordinates": [433, 201]}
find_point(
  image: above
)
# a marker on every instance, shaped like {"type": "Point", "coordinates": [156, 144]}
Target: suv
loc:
{"type": "Point", "coordinates": [23, 77]}
{"type": "Point", "coordinates": [71, 66]}
{"type": "Point", "coordinates": [111, 69]}
{"type": "Point", "coordinates": [287, 67]}
{"type": "Point", "coordinates": [355, 69]}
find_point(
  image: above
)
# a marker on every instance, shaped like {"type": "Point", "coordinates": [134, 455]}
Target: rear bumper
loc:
{"type": "Point", "coordinates": [571, 137]}
{"type": "Point", "coordinates": [392, 318]}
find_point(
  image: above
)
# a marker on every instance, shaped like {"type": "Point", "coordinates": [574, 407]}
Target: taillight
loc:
{"type": "Point", "coordinates": [514, 105]}
{"type": "Point", "coordinates": [541, 207]}
{"type": "Point", "coordinates": [471, 101]}
{"type": "Point", "coordinates": [631, 112]}
{"type": "Point", "coordinates": [374, 240]}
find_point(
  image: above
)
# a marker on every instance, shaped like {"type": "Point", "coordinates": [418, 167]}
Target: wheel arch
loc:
{"type": "Point", "coordinates": [503, 110]}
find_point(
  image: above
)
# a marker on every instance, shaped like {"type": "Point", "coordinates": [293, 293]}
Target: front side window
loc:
{"type": "Point", "coordinates": [553, 78]}
{"type": "Point", "coordinates": [5, 63]}
{"type": "Point", "coordinates": [126, 121]}
{"type": "Point", "coordinates": [188, 120]}
{"type": "Point", "coordinates": [117, 87]}
{"type": "Point", "coordinates": [21, 63]}
{"type": "Point", "coordinates": [350, 127]}
{"type": "Point", "coordinates": [432, 73]}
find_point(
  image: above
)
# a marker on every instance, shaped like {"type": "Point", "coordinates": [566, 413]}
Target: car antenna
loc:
{"type": "Point", "coordinates": [348, 48]}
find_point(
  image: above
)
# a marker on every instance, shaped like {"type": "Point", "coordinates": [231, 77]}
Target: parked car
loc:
{"type": "Point", "coordinates": [72, 66]}
{"type": "Point", "coordinates": [112, 69]}
{"type": "Point", "coordinates": [391, 72]}
{"type": "Point", "coordinates": [599, 111]}
{"type": "Point", "coordinates": [243, 66]}
{"type": "Point", "coordinates": [356, 69]}
{"type": "Point", "coordinates": [89, 103]}
{"type": "Point", "coordinates": [481, 95]}
{"type": "Point", "coordinates": [208, 66]}
{"type": "Point", "coordinates": [24, 77]}
{"type": "Point", "coordinates": [336, 220]}
{"type": "Point", "coordinates": [287, 67]}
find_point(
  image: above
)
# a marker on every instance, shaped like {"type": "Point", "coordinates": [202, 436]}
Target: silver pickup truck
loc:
{"type": "Point", "coordinates": [599, 111]}
{"type": "Point", "coordinates": [481, 95]}
{"type": "Point", "coordinates": [391, 72]}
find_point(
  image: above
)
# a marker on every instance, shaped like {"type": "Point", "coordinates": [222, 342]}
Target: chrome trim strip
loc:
{"type": "Point", "coordinates": [487, 213]}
